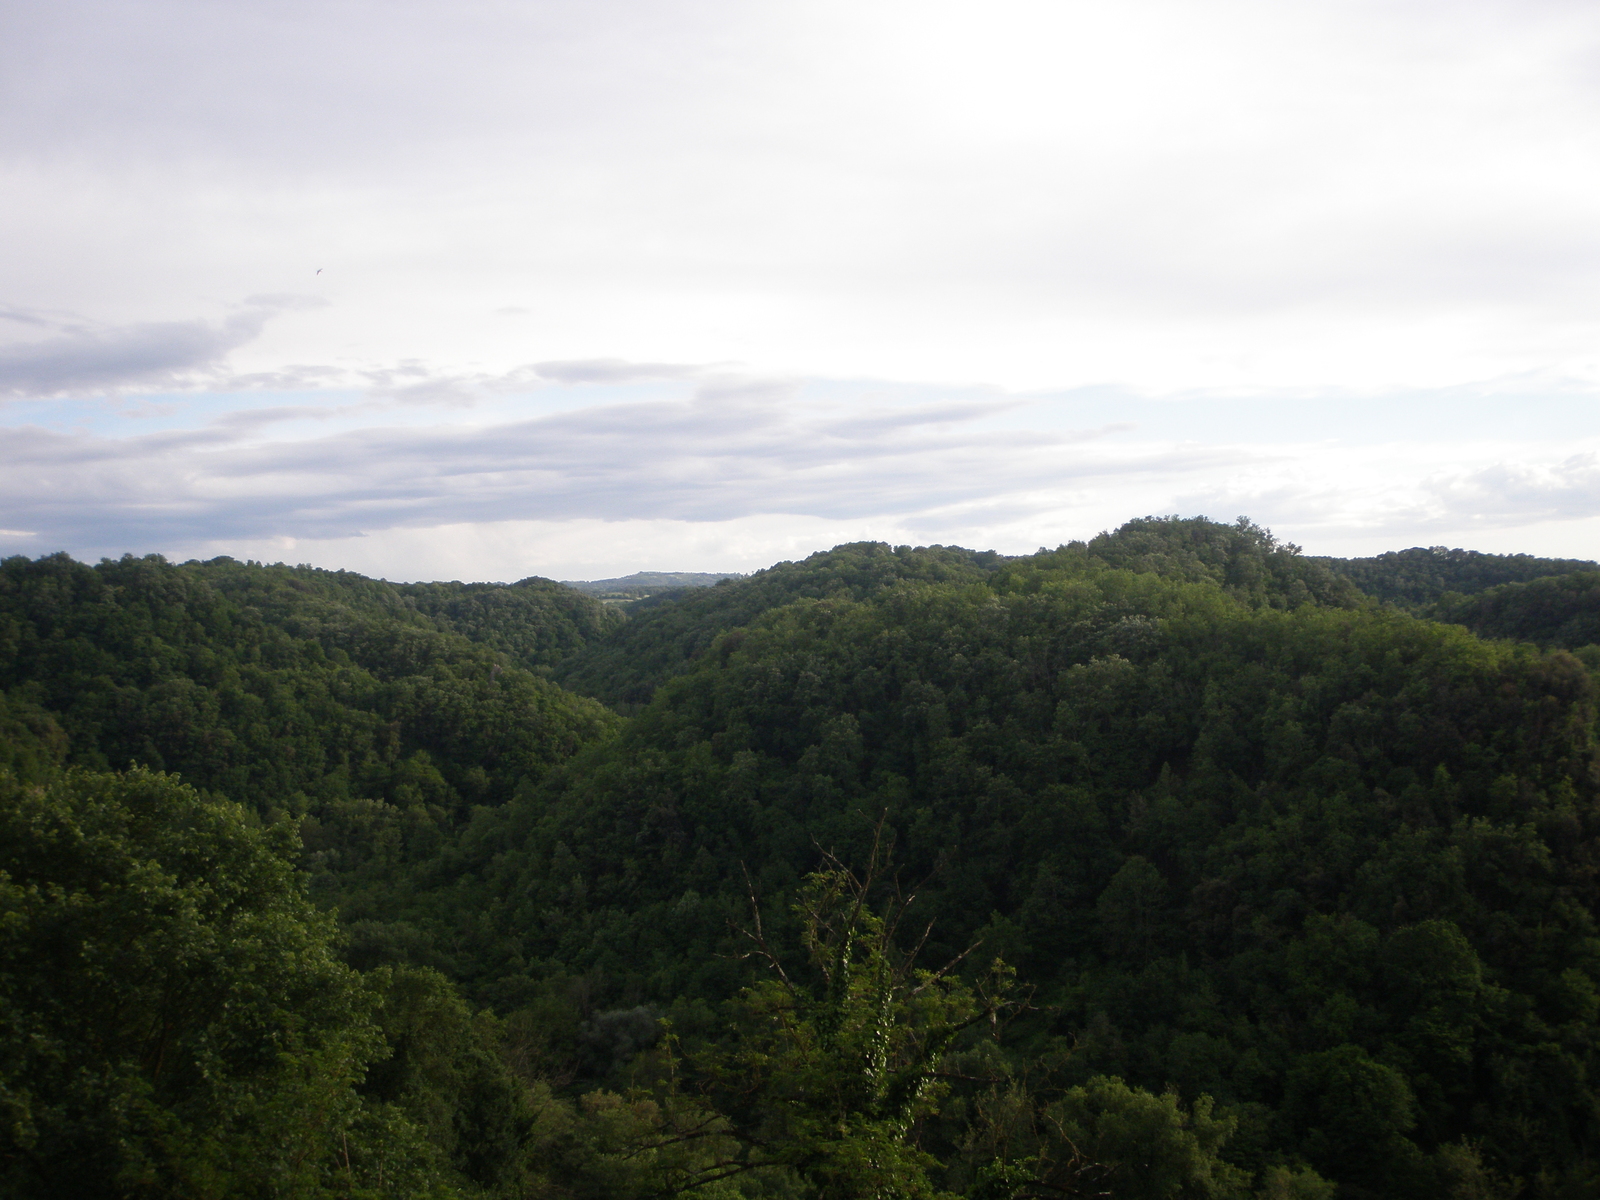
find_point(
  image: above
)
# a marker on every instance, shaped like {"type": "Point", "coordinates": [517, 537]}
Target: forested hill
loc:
{"type": "Point", "coordinates": [1243, 559]}
{"type": "Point", "coordinates": [664, 635]}
{"type": "Point", "coordinates": [668, 631]}
{"type": "Point", "coordinates": [290, 689]}
{"type": "Point", "coordinates": [1422, 575]}
{"type": "Point", "coordinates": [1561, 611]}
{"type": "Point", "coordinates": [1291, 859]}
{"type": "Point", "coordinates": [643, 584]}
{"type": "Point", "coordinates": [534, 623]}
{"type": "Point", "coordinates": [1552, 602]}
{"type": "Point", "coordinates": [1164, 865]}
{"type": "Point", "coordinates": [660, 641]}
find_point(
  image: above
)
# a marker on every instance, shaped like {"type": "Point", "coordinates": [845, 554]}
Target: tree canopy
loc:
{"type": "Point", "coordinates": [1212, 876]}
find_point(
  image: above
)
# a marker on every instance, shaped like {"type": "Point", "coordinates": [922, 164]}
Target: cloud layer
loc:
{"type": "Point", "coordinates": [711, 449]}
{"type": "Point", "coordinates": [730, 451]}
{"type": "Point", "coordinates": [1047, 194]}
{"type": "Point", "coordinates": [73, 357]}
{"type": "Point", "coordinates": [548, 267]}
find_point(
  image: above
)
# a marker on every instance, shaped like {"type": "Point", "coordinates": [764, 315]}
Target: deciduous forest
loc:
{"type": "Point", "coordinates": [1173, 863]}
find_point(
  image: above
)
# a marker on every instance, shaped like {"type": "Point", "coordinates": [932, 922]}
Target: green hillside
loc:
{"type": "Point", "coordinates": [661, 640]}
{"type": "Point", "coordinates": [1166, 864]}
{"type": "Point", "coordinates": [628, 589]}
{"type": "Point", "coordinates": [1174, 814]}
{"type": "Point", "coordinates": [665, 634]}
{"type": "Point", "coordinates": [534, 623]}
{"type": "Point", "coordinates": [290, 690]}
{"type": "Point", "coordinates": [1243, 559]}
{"type": "Point", "coordinates": [1422, 575]}
{"type": "Point", "coordinates": [1560, 611]}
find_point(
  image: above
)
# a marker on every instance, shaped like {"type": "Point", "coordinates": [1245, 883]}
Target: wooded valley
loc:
{"type": "Point", "coordinates": [1174, 863]}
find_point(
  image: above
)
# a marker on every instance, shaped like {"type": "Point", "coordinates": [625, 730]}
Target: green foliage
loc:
{"type": "Point", "coordinates": [1300, 889]}
{"type": "Point", "coordinates": [829, 1081]}
{"type": "Point", "coordinates": [315, 694]}
{"type": "Point", "coordinates": [661, 640]}
{"type": "Point", "coordinates": [1354, 1115]}
{"type": "Point", "coordinates": [1421, 576]}
{"type": "Point", "coordinates": [174, 1020]}
{"type": "Point", "coordinates": [666, 635]}
{"type": "Point", "coordinates": [32, 743]}
{"type": "Point", "coordinates": [445, 1074]}
{"type": "Point", "coordinates": [534, 623]}
{"type": "Point", "coordinates": [1222, 839]}
{"type": "Point", "coordinates": [1281, 1183]}
{"type": "Point", "coordinates": [1144, 1147]}
{"type": "Point", "coordinates": [1104, 1138]}
{"type": "Point", "coordinates": [1132, 908]}
{"type": "Point", "coordinates": [1244, 559]}
{"type": "Point", "coordinates": [1562, 611]}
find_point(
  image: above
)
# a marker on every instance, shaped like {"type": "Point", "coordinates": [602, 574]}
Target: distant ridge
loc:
{"type": "Point", "coordinates": [647, 583]}
{"type": "Point", "coordinates": [1423, 575]}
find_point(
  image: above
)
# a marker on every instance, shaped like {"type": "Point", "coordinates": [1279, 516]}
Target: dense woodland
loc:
{"type": "Point", "coordinates": [1174, 863]}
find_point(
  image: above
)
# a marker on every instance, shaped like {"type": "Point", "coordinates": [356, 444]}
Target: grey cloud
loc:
{"type": "Point", "coordinates": [610, 370]}
{"type": "Point", "coordinates": [704, 458]}
{"type": "Point", "coordinates": [25, 318]}
{"type": "Point", "coordinates": [727, 389]}
{"type": "Point", "coordinates": [632, 177]}
{"type": "Point", "coordinates": [937, 522]}
{"type": "Point", "coordinates": [1497, 496]}
{"type": "Point", "coordinates": [260, 418]}
{"type": "Point", "coordinates": [879, 423]}
{"type": "Point", "coordinates": [1523, 492]}
{"type": "Point", "coordinates": [694, 460]}
{"type": "Point", "coordinates": [1500, 495]}
{"type": "Point", "coordinates": [81, 358]}
{"type": "Point", "coordinates": [414, 381]}
{"type": "Point", "coordinates": [294, 377]}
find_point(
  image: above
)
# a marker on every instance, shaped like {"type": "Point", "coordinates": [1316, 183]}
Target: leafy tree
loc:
{"type": "Point", "coordinates": [1356, 1113]}
{"type": "Point", "coordinates": [173, 1019]}
{"type": "Point", "coordinates": [1137, 1146]}
{"type": "Point", "coordinates": [32, 743]}
{"type": "Point", "coordinates": [829, 1080]}
{"type": "Point", "coordinates": [1132, 909]}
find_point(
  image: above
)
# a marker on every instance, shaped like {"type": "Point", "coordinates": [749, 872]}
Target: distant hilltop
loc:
{"type": "Point", "coordinates": [647, 583]}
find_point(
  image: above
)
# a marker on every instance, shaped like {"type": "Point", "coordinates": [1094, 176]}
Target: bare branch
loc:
{"type": "Point", "coordinates": [759, 937]}
{"type": "Point", "coordinates": [947, 968]}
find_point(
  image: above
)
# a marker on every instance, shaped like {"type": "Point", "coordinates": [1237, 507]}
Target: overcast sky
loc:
{"type": "Point", "coordinates": [484, 290]}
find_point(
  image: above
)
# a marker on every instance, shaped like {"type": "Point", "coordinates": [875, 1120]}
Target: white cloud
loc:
{"type": "Point", "coordinates": [720, 454]}
{"type": "Point", "coordinates": [1327, 263]}
{"type": "Point", "coordinates": [1043, 194]}
{"type": "Point", "coordinates": [794, 458]}
{"type": "Point", "coordinates": [78, 357]}
{"type": "Point", "coordinates": [1517, 492]}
